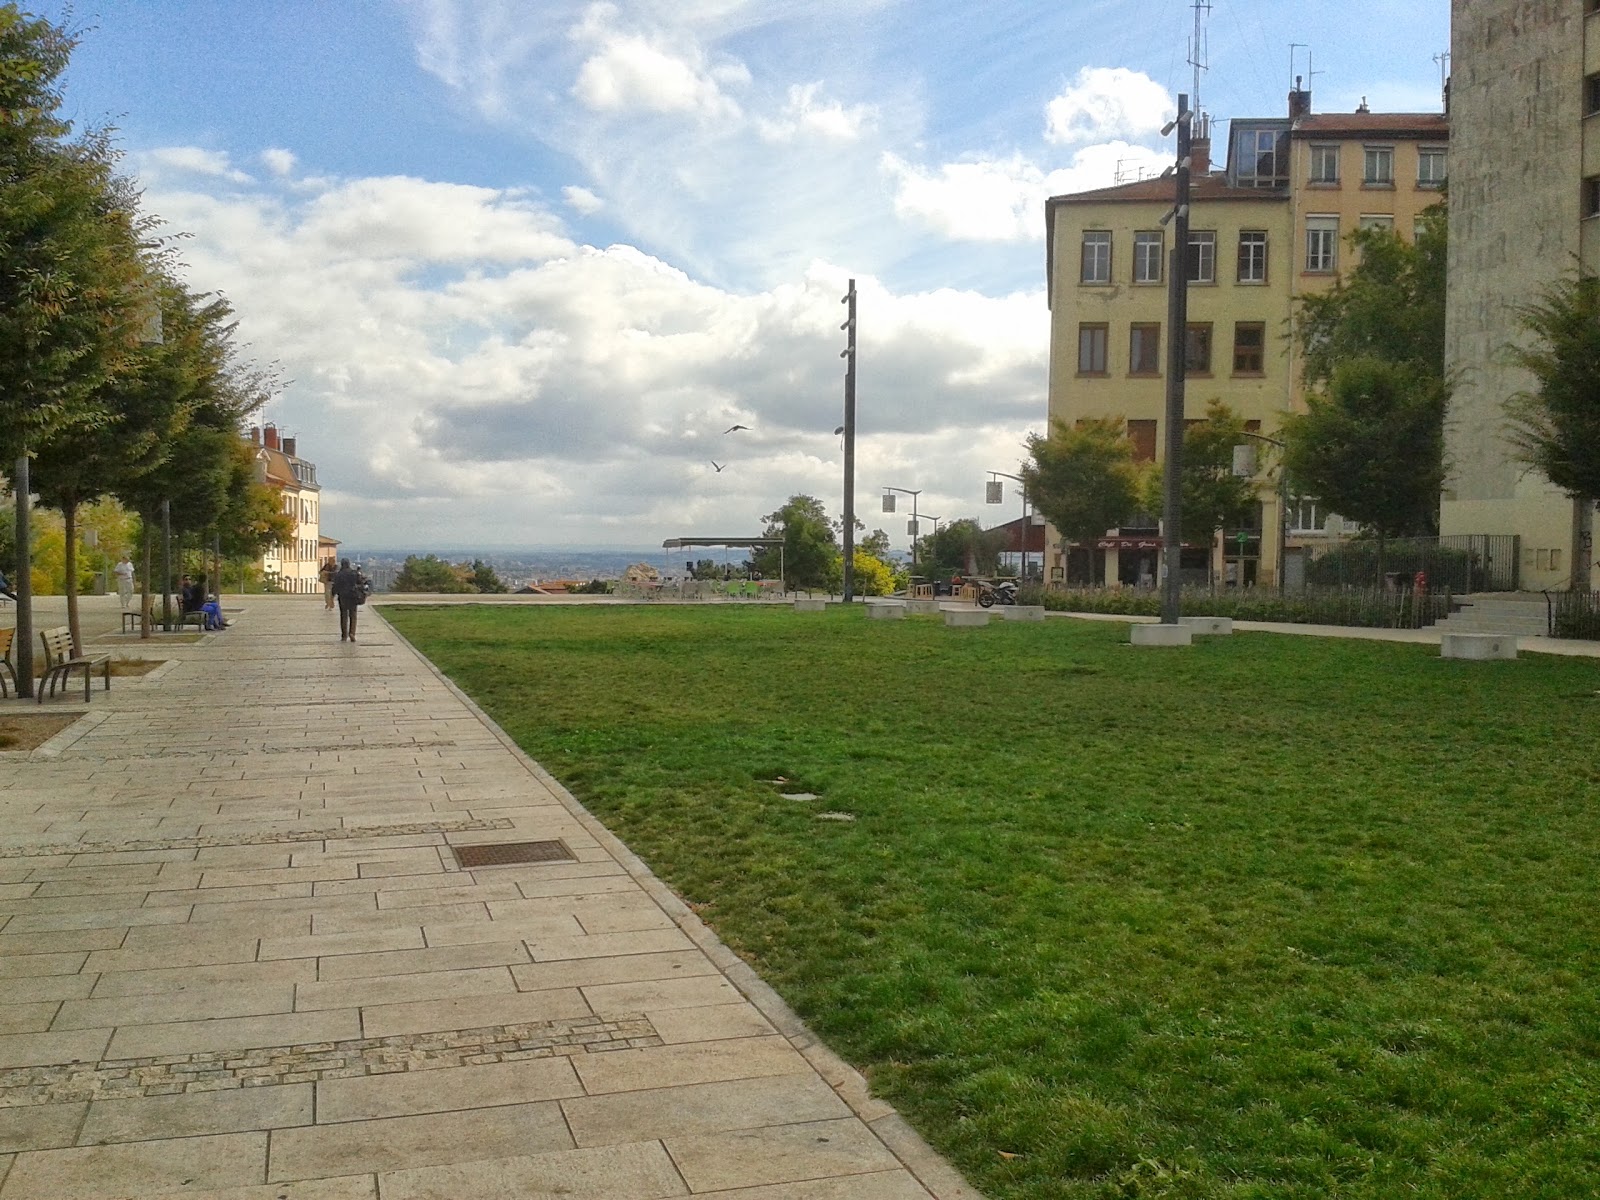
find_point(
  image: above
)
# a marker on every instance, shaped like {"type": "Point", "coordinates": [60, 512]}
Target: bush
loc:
{"type": "Point", "coordinates": [595, 587]}
{"type": "Point", "coordinates": [1370, 608]}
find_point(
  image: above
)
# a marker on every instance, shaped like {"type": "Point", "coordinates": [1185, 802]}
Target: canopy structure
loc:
{"type": "Point", "coordinates": [736, 543]}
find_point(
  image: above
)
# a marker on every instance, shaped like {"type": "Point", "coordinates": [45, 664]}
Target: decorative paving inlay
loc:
{"type": "Point", "coordinates": [222, 1070]}
{"type": "Point", "coordinates": [267, 838]}
{"type": "Point", "coordinates": [499, 854]}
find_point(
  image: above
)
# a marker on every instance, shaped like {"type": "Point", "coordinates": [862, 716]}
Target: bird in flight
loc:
{"type": "Point", "coordinates": [717, 467]}
{"type": "Point", "coordinates": [733, 429]}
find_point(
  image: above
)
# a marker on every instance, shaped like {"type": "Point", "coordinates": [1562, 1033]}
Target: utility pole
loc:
{"type": "Point", "coordinates": [24, 583]}
{"type": "Point", "coordinates": [849, 356]}
{"type": "Point", "coordinates": [1177, 345]}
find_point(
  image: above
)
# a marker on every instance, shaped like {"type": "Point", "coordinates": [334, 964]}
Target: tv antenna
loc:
{"type": "Point", "coordinates": [1199, 48]}
{"type": "Point", "coordinates": [1443, 59]}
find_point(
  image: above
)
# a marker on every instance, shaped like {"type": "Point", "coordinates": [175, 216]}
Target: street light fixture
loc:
{"type": "Point", "coordinates": [888, 507]}
{"type": "Point", "coordinates": [993, 493]}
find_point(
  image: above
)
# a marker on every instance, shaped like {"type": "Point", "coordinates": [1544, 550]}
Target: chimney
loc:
{"type": "Point", "coordinates": [255, 435]}
{"type": "Point", "coordinates": [1299, 101]}
{"type": "Point", "coordinates": [1200, 147]}
{"type": "Point", "coordinates": [1362, 107]}
{"type": "Point", "coordinates": [288, 446]}
{"type": "Point", "coordinates": [270, 433]}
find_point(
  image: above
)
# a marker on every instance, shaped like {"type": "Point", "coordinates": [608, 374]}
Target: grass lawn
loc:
{"type": "Point", "coordinates": [1271, 917]}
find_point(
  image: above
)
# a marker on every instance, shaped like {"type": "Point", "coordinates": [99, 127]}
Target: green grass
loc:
{"type": "Point", "coordinates": [1269, 917]}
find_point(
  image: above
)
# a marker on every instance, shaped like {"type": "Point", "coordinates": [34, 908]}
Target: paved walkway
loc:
{"type": "Point", "coordinates": [241, 960]}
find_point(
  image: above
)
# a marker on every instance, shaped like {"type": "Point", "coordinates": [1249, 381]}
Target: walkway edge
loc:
{"type": "Point", "coordinates": [898, 1137]}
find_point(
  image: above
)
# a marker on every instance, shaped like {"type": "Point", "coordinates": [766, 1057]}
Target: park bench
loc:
{"type": "Point", "coordinates": [134, 620]}
{"type": "Point", "coordinates": [61, 659]}
{"type": "Point", "coordinates": [7, 636]}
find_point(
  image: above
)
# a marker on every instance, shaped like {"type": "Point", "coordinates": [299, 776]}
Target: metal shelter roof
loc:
{"type": "Point", "coordinates": [680, 543]}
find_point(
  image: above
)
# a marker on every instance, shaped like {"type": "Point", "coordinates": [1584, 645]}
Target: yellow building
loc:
{"type": "Point", "coordinates": [1268, 226]}
{"type": "Point", "coordinates": [293, 564]}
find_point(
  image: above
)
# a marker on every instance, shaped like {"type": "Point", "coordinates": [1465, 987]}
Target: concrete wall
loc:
{"type": "Point", "coordinates": [1516, 99]}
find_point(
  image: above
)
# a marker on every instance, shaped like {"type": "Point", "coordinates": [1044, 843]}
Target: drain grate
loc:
{"type": "Point", "coordinates": [499, 854]}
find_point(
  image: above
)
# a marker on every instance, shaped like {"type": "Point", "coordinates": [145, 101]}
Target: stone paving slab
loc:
{"type": "Point", "coordinates": [244, 963]}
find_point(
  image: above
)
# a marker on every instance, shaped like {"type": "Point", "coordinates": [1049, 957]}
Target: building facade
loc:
{"type": "Point", "coordinates": [1270, 225]}
{"type": "Point", "coordinates": [1524, 210]}
{"type": "Point", "coordinates": [294, 564]}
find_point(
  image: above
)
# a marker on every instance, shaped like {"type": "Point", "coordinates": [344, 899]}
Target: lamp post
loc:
{"type": "Point", "coordinates": [1283, 509]}
{"type": "Point", "coordinates": [1177, 343]}
{"type": "Point", "coordinates": [888, 506]}
{"type": "Point", "coordinates": [994, 494]}
{"type": "Point", "coordinates": [849, 355]}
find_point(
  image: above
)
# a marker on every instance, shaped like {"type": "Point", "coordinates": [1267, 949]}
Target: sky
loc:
{"type": "Point", "coordinates": [521, 263]}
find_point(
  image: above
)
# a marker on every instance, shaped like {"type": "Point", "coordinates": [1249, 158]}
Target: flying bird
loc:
{"type": "Point", "coordinates": [718, 468]}
{"type": "Point", "coordinates": [733, 428]}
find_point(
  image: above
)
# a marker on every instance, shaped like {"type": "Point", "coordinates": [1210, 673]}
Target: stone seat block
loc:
{"type": "Point", "coordinates": [811, 604]}
{"type": "Point", "coordinates": [1161, 635]}
{"type": "Point", "coordinates": [1222, 626]}
{"type": "Point", "coordinates": [960, 618]}
{"type": "Point", "coordinates": [922, 608]}
{"type": "Point", "coordinates": [1020, 612]}
{"type": "Point", "coordinates": [891, 611]}
{"type": "Point", "coordinates": [1478, 646]}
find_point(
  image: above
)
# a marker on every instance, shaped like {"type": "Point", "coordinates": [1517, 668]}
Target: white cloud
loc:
{"type": "Point", "coordinates": [1002, 200]}
{"type": "Point", "coordinates": [628, 71]}
{"type": "Point", "coordinates": [280, 162]}
{"type": "Point", "coordinates": [804, 114]}
{"type": "Point", "coordinates": [1105, 103]}
{"type": "Point", "coordinates": [191, 160]}
{"type": "Point", "coordinates": [582, 201]}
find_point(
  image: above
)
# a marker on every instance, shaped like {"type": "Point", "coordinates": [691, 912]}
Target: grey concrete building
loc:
{"type": "Point", "coordinates": [1524, 208]}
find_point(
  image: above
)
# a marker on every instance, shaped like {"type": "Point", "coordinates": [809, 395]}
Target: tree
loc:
{"type": "Point", "coordinates": [809, 545]}
{"type": "Point", "coordinates": [484, 579]}
{"type": "Point", "coordinates": [1213, 496]}
{"type": "Point", "coordinates": [1555, 427]}
{"type": "Point", "coordinates": [962, 547]}
{"type": "Point", "coordinates": [1083, 477]}
{"type": "Point", "coordinates": [1372, 446]}
{"type": "Point", "coordinates": [430, 574]}
{"type": "Point", "coordinates": [876, 544]}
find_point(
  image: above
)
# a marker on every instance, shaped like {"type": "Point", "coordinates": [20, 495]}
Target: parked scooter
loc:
{"type": "Point", "coordinates": [990, 594]}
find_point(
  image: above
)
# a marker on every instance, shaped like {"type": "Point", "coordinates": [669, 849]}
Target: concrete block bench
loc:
{"type": "Point", "coordinates": [811, 604]}
{"type": "Point", "coordinates": [1161, 635]}
{"type": "Point", "coordinates": [961, 618]}
{"type": "Point", "coordinates": [1217, 626]}
{"type": "Point", "coordinates": [1019, 612]}
{"type": "Point", "coordinates": [879, 610]}
{"type": "Point", "coordinates": [923, 608]}
{"type": "Point", "coordinates": [1479, 646]}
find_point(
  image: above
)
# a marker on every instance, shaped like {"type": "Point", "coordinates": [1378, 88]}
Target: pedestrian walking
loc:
{"type": "Point", "coordinates": [326, 574]}
{"type": "Point", "coordinates": [350, 589]}
{"type": "Point", "coordinates": [5, 588]}
{"type": "Point", "coordinates": [124, 573]}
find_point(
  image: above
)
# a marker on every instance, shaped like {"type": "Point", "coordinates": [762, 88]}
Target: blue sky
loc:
{"type": "Point", "coordinates": [522, 261]}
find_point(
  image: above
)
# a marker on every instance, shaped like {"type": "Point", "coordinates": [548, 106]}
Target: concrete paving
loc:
{"type": "Point", "coordinates": [241, 958]}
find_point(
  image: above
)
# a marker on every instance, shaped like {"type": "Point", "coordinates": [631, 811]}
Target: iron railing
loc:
{"type": "Point", "coordinates": [1573, 614]}
{"type": "Point", "coordinates": [1464, 563]}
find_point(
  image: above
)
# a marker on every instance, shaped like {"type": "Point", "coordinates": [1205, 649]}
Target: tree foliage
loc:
{"type": "Point", "coordinates": [431, 574]}
{"type": "Point", "coordinates": [810, 547]}
{"type": "Point", "coordinates": [484, 580]}
{"type": "Point", "coordinates": [962, 547]}
{"type": "Point", "coordinates": [1083, 477]}
{"type": "Point", "coordinates": [1555, 426]}
{"type": "Point", "coordinates": [1213, 496]}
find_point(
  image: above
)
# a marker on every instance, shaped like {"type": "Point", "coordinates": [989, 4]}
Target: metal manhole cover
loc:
{"type": "Point", "coordinates": [496, 854]}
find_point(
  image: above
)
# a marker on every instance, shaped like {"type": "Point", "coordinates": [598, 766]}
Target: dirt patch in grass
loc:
{"type": "Point", "coordinates": [28, 731]}
{"type": "Point", "coordinates": [135, 666]}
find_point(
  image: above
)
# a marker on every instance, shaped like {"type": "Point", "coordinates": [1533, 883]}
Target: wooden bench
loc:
{"type": "Point", "coordinates": [60, 661]}
{"type": "Point", "coordinates": [7, 636]}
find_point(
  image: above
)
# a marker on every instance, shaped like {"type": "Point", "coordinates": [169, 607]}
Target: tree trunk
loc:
{"type": "Point", "coordinates": [1582, 543]}
{"type": "Point", "coordinates": [144, 582]}
{"type": "Point", "coordinates": [69, 520]}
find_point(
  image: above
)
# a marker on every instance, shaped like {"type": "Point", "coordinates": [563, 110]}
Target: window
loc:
{"type": "Point", "coordinates": [1430, 166]}
{"type": "Point", "coordinates": [1308, 516]}
{"type": "Point", "coordinates": [1197, 349]}
{"type": "Point", "coordinates": [1591, 196]}
{"type": "Point", "coordinates": [1148, 249]}
{"type": "Point", "coordinates": [1322, 244]}
{"type": "Point", "coordinates": [1262, 160]}
{"type": "Point", "coordinates": [1143, 436]}
{"type": "Point", "coordinates": [1203, 256]}
{"type": "Point", "coordinates": [1379, 170]}
{"type": "Point", "coordinates": [1096, 257]}
{"type": "Point", "coordinates": [1249, 347]}
{"type": "Point", "coordinates": [1325, 164]}
{"type": "Point", "coordinates": [1253, 256]}
{"type": "Point", "coordinates": [1144, 349]}
{"type": "Point", "coordinates": [1091, 349]}
{"type": "Point", "coordinates": [1377, 221]}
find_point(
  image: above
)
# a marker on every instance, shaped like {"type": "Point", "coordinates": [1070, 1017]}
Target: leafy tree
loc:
{"type": "Point", "coordinates": [431, 574]}
{"type": "Point", "coordinates": [1555, 427]}
{"type": "Point", "coordinates": [1083, 477]}
{"type": "Point", "coordinates": [809, 546]}
{"type": "Point", "coordinates": [876, 544]}
{"type": "Point", "coordinates": [484, 580]}
{"type": "Point", "coordinates": [1213, 496]}
{"type": "Point", "coordinates": [873, 576]}
{"type": "Point", "coordinates": [962, 547]}
{"type": "Point", "coordinates": [1372, 446]}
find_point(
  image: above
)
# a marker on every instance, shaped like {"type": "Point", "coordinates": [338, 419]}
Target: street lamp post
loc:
{"type": "Point", "coordinates": [888, 506]}
{"type": "Point", "coordinates": [1177, 344]}
{"type": "Point", "coordinates": [1283, 512]}
{"type": "Point", "coordinates": [993, 495]}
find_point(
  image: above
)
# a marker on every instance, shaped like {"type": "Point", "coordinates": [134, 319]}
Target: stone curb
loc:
{"type": "Point", "coordinates": [941, 1179]}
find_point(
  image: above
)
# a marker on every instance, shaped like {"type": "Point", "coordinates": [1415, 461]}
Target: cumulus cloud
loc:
{"type": "Point", "coordinates": [466, 366]}
{"type": "Point", "coordinates": [628, 71]}
{"type": "Point", "coordinates": [280, 162]}
{"type": "Point", "coordinates": [1105, 103]}
{"type": "Point", "coordinates": [805, 115]}
{"type": "Point", "coordinates": [582, 201]}
{"type": "Point", "coordinates": [191, 160]}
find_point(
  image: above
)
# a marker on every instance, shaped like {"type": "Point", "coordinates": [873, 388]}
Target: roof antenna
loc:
{"type": "Point", "coordinates": [1443, 59]}
{"type": "Point", "coordinates": [1199, 48]}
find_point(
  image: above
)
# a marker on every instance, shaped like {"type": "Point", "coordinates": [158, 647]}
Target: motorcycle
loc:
{"type": "Point", "coordinates": [990, 594]}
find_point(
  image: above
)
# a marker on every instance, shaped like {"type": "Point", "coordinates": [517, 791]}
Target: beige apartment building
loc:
{"type": "Point", "coordinates": [1524, 210]}
{"type": "Point", "coordinates": [294, 563]}
{"type": "Point", "coordinates": [1267, 226]}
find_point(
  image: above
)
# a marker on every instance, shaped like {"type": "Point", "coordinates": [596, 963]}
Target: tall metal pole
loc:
{"type": "Point", "coordinates": [849, 356]}
{"type": "Point", "coordinates": [166, 565]}
{"type": "Point", "coordinates": [23, 642]}
{"type": "Point", "coordinates": [1177, 343]}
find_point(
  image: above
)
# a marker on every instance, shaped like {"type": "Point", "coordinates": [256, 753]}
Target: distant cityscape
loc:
{"type": "Point", "coordinates": [517, 568]}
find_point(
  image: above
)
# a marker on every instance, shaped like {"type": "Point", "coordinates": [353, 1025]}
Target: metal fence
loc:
{"type": "Point", "coordinates": [1574, 614]}
{"type": "Point", "coordinates": [1463, 563]}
